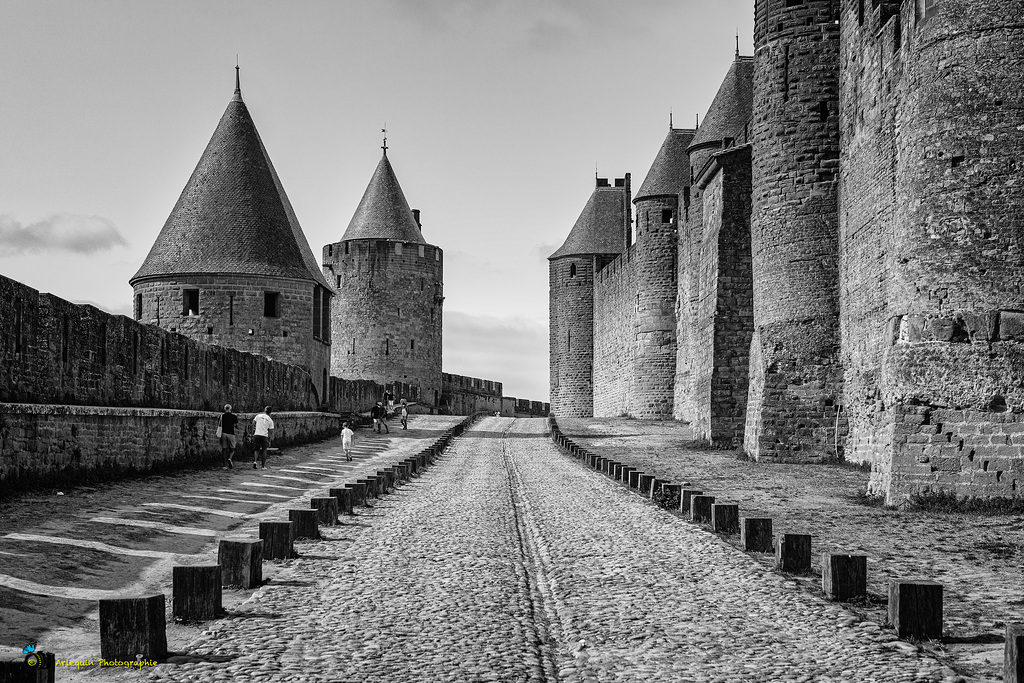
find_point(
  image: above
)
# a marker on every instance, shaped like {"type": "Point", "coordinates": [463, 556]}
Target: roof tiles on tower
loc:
{"type": "Point", "coordinates": [732, 106]}
{"type": "Point", "coordinates": [670, 171]}
{"type": "Point", "coordinates": [383, 212]}
{"type": "Point", "coordinates": [600, 229]}
{"type": "Point", "coordinates": [233, 217]}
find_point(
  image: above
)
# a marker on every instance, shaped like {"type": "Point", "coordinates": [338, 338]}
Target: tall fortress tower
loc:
{"type": "Point", "coordinates": [231, 265]}
{"type": "Point", "coordinates": [389, 292]}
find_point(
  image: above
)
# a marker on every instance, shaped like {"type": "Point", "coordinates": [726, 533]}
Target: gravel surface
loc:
{"type": "Point", "coordinates": [508, 561]}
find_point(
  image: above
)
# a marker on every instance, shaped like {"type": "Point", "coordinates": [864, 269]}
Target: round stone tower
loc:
{"type": "Point", "coordinates": [386, 312]}
{"type": "Point", "coordinates": [795, 376]}
{"type": "Point", "coordinates": [598, 236]}
{"type": "Point", "coordinates": [231, 265]}
{"type": "Point", "coordinates": [654, 252]}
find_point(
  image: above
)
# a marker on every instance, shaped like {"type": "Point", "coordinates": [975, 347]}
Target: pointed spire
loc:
{"type": "Point", "coordinates": [737, 43]}
{"type": "Point", "coordinates": [385, 145]}
{"type": "Point", "coordinates": [237, 97]}
{"type": "Point", "coordinates": [383, 212]}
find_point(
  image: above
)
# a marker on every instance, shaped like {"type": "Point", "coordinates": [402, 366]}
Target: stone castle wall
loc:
{"type": "Point", "coordinates": [931, 94]}
{"type": "Point", "coordinates": [795, 378]}
{"type": "Point", "coordinates": [571, 335]}
{"type": "Point", "coordinates": [723, 324]}
{"type": "Point", "coordinates": [615, 323]}
{"type": "Point", "coordinates": [462, 395]}
{"type": "Point", "coordinates": [234, 311]}
{"type": "Point", "coordinates": [386, 314]}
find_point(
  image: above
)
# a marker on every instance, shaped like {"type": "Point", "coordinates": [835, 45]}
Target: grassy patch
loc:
{"type": "Point", "coordinates": [947, 502]}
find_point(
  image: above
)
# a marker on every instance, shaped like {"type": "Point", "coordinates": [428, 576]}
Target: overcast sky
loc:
{"type": "Point", "coordinates": [498, 113]}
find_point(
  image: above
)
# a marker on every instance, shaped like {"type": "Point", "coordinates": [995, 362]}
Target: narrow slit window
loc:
{"type": "Point", "coordinates": [572, 270]}
{"type": "Point", "coordinates": [231, 309]}
{"type": "Point", "coordinates": [138, 307]}
{"type": "Point", "coordinates": [412, 344]}
{"type": "Point", "coordinates": [387, 347]}
{"type": "Point", "coordinates": [325, 316]}
{"type": "Point", "coordinates": [316, 312]}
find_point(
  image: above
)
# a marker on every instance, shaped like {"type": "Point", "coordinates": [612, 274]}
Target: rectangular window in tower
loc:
{"type": "Point", "coordinates": [412, 344]}
{"type": "Point", "coordinates": [422, 251]}
{"type": "Point", "coordinates": [785, 74]}
{"type": "Point", "coordinates": [231, 309]}
{"type": "Point", "coordinates": [325, 316]}
{"type": "Point", "coordinates": [316, 312]}
{"type": "Point", "coordinates": [568, 340]}
{"type": "Point", "coordinates": [353, 351]}
{"type": "Point", "coordinates": [387, 347]}
{"type": "Point", "coordinates": [158, 311]}
{"type": "Point", "coordinates": [138, 307]}
{"type": "Point", "coordinates": [339, 282]}
{"type": "Point", "coordinates": [190, 302]}
{"type": "Point", "coordinates": [346, 247]}
{"type": "Point", "coordinates": [271, 304]}
{"type": "Point", "coordinates": [666, 216]}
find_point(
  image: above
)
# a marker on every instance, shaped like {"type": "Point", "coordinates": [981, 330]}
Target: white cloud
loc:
{"type": "Point", "coordinates": [60, 232]}
{"type": "Point", "coordinates": [513, 351]}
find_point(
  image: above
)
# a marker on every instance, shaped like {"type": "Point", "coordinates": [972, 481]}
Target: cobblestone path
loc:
{"type": "Point", "coordinates": [510, 562]}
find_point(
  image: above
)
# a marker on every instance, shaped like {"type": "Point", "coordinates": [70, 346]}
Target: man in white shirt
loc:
{"type": "Point", "coordinates": [261, 439]}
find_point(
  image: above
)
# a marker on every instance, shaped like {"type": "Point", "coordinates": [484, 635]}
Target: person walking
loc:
{"type": "Point", "coordinates": [264, 424]}
{"type": "Point", "coordinates": [378, 413]}
{"type": "Point", "coordinates": [346, 441]}
{"type": "Point", "coordinates": [226, 432]}
{"type": "Point", "coordinates": [405, 414]}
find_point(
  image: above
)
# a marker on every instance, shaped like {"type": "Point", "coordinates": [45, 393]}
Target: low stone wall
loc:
{"type": "Point", "coordinates": [60, 445]}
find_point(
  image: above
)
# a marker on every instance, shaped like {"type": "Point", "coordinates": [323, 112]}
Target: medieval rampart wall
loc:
{"type": "Point", "coordinates": [616, 303]}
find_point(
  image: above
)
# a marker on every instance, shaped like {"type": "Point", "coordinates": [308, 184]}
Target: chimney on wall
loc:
{"type": "Point", "coordinates": [416, 217]}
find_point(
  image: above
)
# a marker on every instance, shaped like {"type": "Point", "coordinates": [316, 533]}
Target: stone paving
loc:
{"type": "Point", "coordinates": [508, 561]}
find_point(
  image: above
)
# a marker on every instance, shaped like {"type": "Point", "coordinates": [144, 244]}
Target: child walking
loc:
{"type": "Point", "coordinates": [346, 441]}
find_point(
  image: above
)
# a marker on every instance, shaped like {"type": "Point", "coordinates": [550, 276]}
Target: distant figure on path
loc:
{"type": "Point", "coordinates": [405, 414]}
{"type": "Point", "coordinates": [228, 420]}
{"type": "Point", "coordinates": [346, 441]}
{"type": "Point", "coordinates": [261, 441]}
{"type": "Point", "coordinates": [378, 413]}
{"type": "Point", "coordinates": [389, 401]}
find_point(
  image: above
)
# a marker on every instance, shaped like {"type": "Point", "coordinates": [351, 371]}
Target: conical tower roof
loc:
{"type": "Point", "coordinates": [233, 217]}
{"type": "Point", "coordinates": [732, 106]}
{"type": "Point", "coordinates": [600, 229]}
{"type": "Point", "coordinates": [383, 212]}
{"type": "Point", "coordinates": [670, 171]}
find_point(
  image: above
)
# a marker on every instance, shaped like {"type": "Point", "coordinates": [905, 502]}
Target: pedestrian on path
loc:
{"type": "Point", "coordinates": [226, 433]}
{"type": "Point", "coordinates": [346, 441]}
{"type": "Point", "coordinates": [264, 424]}
{"type": "Point", "coordinates": [389, 401]}
{"type": "Point", "coordinates": [378, 413]}
{"type": "Point", "coordinates": [405, 415]}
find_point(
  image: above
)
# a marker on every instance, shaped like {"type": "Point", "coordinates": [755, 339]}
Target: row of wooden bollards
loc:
{"type": "Point", "coordinates": [134, 628]}
{"type": "Point", "coordinates": [915, 606]}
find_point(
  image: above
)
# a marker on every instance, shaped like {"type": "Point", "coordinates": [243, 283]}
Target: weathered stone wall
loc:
{"type": "Point", "coordinates": [463, 395]}
{"type": "Point", "coordinates": [616, 303]}
{"type": "Point", "coordinates": [654, 267]}
{"type": "Point", "coordinates": [723, 324]}
{"type": "Point", "coordinates": [688, 248]}
{"type": "Point", "coordinates": [571, 335]}
{"type": "Point", "coordinates": [795, 375]}
{"type": "Point", "coordinates": [232, 314]}
{"type": "Point", "coordinates": [386, 312]}
{"type": "Point", "coordinates": [65, 445]}
{"type": "Point", "coordinates": [932, 94]}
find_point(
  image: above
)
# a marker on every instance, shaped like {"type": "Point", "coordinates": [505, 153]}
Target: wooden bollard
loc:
{"type": "Point", "coordinates": [915, 608]}
{"type": "Point", "coordinates": [1013, 654]}
{"type": "Point", "coordinates": [133, 626]}
{"type": "Point", "coordinates": [390, 477]}
{"type": "Point", "coordinates": [617, 471]}
{"type": "Point", "coordinates": [685, 495]}
{"type": "Point", "coordinates": [371, 486]}
{"type": "Point", "coordinates": [277, 540]}
{"type": "Point", "coordinates": [344, 498]}
{"type": "Point", "coordinates": [326, 508]}
{"type": "Point", "coordinates": [413, 466]}
{"type": "Point", "coordinates": [38, 667]}
{"type": "Point", "coordinates": [382, 484]}
{"type": "Point", "coordinates": [756, 534]}
{"type": "Point", "coordinates": [305, 523]}
{"type": "Point", "coordinates": [725, 518]}
{"type": "Point", "coordinates": [196, 591]}
{"type": "Point", "coordinates": [634, 479]}
{"type": "Point", "coordinates": [669, 489]}
{"type": "Point", "coordinates": [844, 577]}
{"type": "Point", "coordinates": [241, 562]}
{"type": "Point", "coordinates": [700, 508]}
{"type": "Point", "coordinates": [422, 460]}
{"type": "Point", "coordinates": [656, 486]}
{"type": "Point", "coordinates": [358, 493]}
{"type": "Point", "coordinates": [793, 553]}
{"type": "Point", "coordinates": [646, 483]}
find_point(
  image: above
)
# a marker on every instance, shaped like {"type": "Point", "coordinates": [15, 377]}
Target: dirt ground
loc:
{"type": "Point", "coordinates": [977, 559]}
